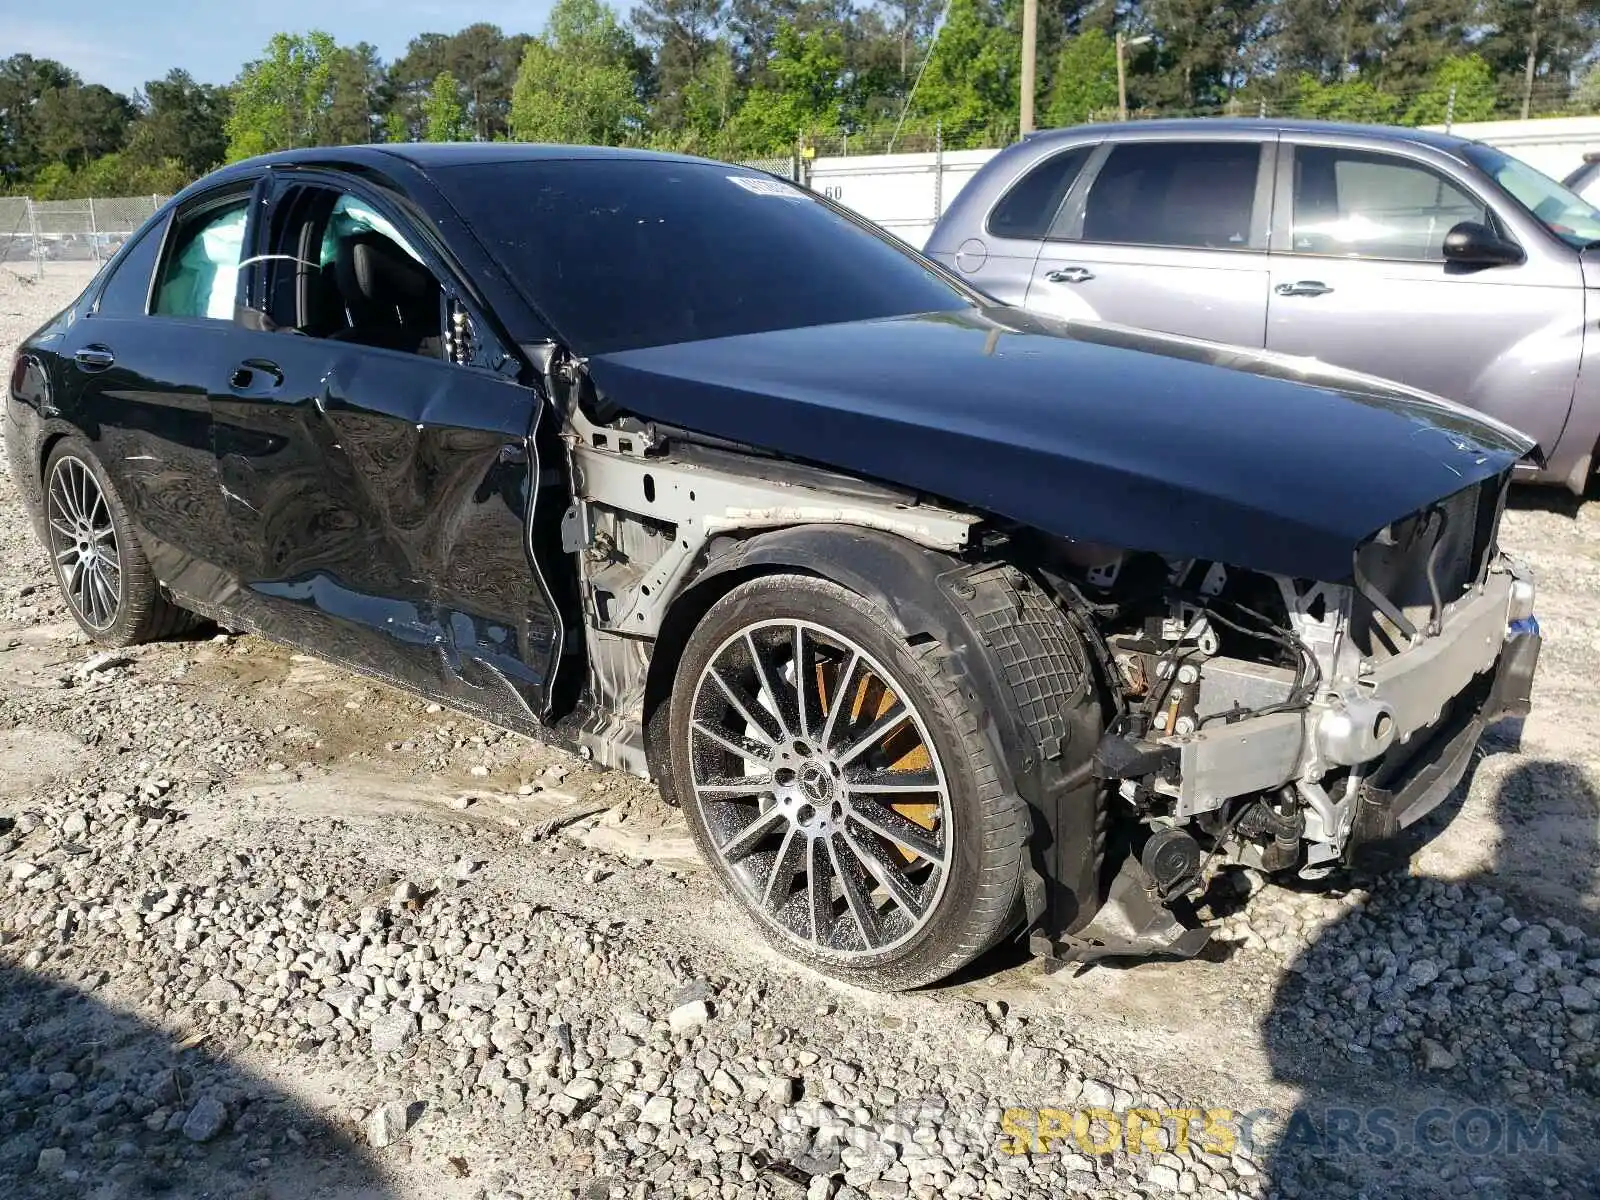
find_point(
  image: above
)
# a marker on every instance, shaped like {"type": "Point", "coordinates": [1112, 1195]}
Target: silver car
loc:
{"type": "Point", "coordinates": [1436, 261]}
{"type": "Point", "coordinates": [1585, 181]}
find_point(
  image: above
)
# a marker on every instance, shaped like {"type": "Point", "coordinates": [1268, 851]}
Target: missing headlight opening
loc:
{"type": "Point", "coordinates": [1283, 724]}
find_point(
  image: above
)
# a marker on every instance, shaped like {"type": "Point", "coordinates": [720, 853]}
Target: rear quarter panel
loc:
{"type": "Point", "coordinates": [998, 266]}
{"type": "Point", "coordinates": [1572, 458]}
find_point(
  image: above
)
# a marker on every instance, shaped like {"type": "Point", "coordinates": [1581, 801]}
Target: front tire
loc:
{"type": "Point", "coordinates": [99, 565]}
{"type": "Point", "coordinates": [835, 780]}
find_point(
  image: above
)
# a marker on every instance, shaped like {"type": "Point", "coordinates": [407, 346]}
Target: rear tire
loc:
{"type": "Point", "coordinates": [99, 565]}
{"type": "Point", "coordinates": [802, 825]}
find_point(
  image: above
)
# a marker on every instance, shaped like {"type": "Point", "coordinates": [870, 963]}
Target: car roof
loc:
{"type": "Point", "coordinates": [448, 154]}
{"type": "Point", "coordinates": [1384, 133]}
{"type": "Point", "coordinates": [423, 157]}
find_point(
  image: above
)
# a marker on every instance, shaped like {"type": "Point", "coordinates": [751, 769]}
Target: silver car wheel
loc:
{"type": "Point", "coordinates": [820, 787]}
{"type": "Point", "coordinates": [84, 543]}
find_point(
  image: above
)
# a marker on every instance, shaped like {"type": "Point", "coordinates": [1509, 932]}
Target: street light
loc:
{"type": "Point", "coordinates": [1122, 72]}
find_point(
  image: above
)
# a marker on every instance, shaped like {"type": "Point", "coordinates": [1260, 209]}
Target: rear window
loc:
{"type": "Point", "coordinates": [127, 291]}
{"type": "Point", "coordinates": [1029, 208]}
{"type": "Point", "coordinates": [622, 254]}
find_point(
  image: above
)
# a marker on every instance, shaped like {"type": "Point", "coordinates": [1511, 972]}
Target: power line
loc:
{"type": "Point", "coordinates": [926, 58]}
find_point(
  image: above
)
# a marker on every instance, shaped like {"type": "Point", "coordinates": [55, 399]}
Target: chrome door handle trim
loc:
{"type": "Point", "coordinates": [1303, 287]}
{"type": "Point", "coordinates": [94, 358]}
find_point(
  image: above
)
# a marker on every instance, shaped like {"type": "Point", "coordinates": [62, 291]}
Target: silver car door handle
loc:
{"type": "Point", "coordinates": [95, 358]}
{"type": "Point", "coordinates": [1303, 287]}
{"type": "Point", "coordinates": [1070, 275]}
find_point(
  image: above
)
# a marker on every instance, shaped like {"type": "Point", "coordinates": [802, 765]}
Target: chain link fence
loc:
{"type": "Point", "coordinates": [785, 166]}
{"type": "Point", "coordinates": [38, 232]}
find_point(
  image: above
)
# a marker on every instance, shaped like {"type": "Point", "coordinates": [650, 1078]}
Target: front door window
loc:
{"type": "Point", "coordinates": [201, 275]}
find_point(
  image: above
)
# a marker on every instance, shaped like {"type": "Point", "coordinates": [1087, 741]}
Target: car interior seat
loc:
{"type": "Point", "coordinates": [391, 299]}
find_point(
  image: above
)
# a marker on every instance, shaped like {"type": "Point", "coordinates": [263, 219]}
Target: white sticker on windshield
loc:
{"type": "Point", "coordinates": [757, 186]}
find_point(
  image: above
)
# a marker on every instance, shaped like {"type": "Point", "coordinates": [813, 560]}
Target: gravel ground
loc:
{"type": "Point", "coordinates": [269, 929]}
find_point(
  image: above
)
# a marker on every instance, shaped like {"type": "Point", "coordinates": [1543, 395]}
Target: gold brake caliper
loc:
{"type": "Point", "coordinates": [904, 747]}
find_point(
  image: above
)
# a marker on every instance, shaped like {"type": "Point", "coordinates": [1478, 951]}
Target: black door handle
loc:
{"type": "Point", "coordinates": [1303, 287]}
{"type": "Point", "coordinates": [94, 358]}
{"type": "Point", "coordinates": [255, 377]}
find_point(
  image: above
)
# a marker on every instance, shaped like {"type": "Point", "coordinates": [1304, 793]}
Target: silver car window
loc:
{"type": "Point", "coordinates": [1191, 194]}
{"type": "Point", "coordinates": [1030, 204]}
{"type": "Point", "coordinates": [1357, 204]}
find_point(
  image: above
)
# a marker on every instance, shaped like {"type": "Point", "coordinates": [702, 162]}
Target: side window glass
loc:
{"type": "Point", "coordinates": [1359, 205]}
{"type": "Point", "coordinates": [1194, 194]}
{"type": "Point", "coordinates": [342, 271]}
{"type": "Point", "coordinates": [201, 275]}
{"type": "Point", "coordinates": [127, 290]}
{"type": "Point", "coordinates": [1028, 208]}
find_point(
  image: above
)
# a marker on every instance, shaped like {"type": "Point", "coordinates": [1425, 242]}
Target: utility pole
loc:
{"type": "Point", "coordinates": [1122, 82]}
{"type": "Point", "coordinates": [1030, 47]}
{"type": "Point", "coordinates": [1122, 71]}
{"type": "Point", "coordinates": [1533, 60]}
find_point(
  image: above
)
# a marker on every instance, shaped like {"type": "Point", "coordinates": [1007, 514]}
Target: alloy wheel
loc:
{"type": "Point", "coordinates": [83, 540]}
{"type": "Point", "coordinates": [820, 787]}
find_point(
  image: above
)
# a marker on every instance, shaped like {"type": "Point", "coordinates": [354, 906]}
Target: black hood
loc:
{"type": "Point", "coordinates": [1092, 432]}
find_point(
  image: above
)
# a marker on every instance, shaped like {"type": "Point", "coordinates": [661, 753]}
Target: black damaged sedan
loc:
{"type": "Point", "coordinates": [941, 621]}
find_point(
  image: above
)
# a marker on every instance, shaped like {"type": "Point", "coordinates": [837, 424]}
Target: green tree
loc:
{"type": "Point", "coordinates": [484, 61]}
{"type": "Point", "coordinates": [806, 92]}
{"type": "Point", "coordinates": [54, 181]}
{"type": "Point", "coordinates": [1586, 97]}
{"type": "Point", "coordinates": [1348, 100]}
{"type": "Point", "coordinates": [446, 120]}
{"type": "Point", "coordinates": [1421, 35]}
{"type": "Point", "coordinates": [78, 123]}
{"type": "Point", "coordinates": [910, 25]}
{"type": "Point", "coordinates": [751, 33]}
{"type": "Point", "coordinates": [24, 82]}
{"type": "Point", "coordinates": [681, 33]}
{"type": "Point", "coordinates": [1084, 81]}
{"type": "Point", "coordinates": [710, 100]}
{"type": "Point", "coordinates": [1535, 46]}
{"type": "Point", "coordinates": [970, 82]}
{"type": "Point", "coordinates": [1473, 83]}
{"type": "Point", "coordinates": [576, 82]}
{"type": "Point", "coordinates": [1330, 39]}
{"type": "Point", "coordinates": [279, 98]}
{"type": "Point", "coordinates": [1204, 52]}
{"type": "Point", "coordinates": [183, 122]}
{"type": "Point", "coordinates": [351, 115]}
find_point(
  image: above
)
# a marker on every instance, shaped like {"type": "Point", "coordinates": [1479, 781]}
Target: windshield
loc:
{"type": "Point", "coordinates": [621, 254]}
{"type": "Point", "coordinates": [1566, 214]}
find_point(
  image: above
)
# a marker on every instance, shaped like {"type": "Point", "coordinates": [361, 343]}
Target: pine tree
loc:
{"type": "Point", "coordinates": [681, 34]}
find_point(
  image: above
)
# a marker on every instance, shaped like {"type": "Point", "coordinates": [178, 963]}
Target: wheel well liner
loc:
{"type": "Point", "coordinates": [1007, 642]}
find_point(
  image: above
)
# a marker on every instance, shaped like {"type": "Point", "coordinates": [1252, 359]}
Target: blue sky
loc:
{"type": "Point", "coordinates": [122, 44]}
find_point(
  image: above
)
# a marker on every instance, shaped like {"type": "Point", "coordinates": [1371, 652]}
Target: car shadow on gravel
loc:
{"type": "Point", "coordinates": [1443, 1036]}
{"type": "Point", "coordinates": [1556, 500]}
{"type": "Point", "coordinates": [97, 1103]}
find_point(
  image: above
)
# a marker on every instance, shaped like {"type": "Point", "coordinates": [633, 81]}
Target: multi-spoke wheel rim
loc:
{"type": "Point", "coordinates": [821, 791]}
{"type": "Point", "coordinates": [84, 542]}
